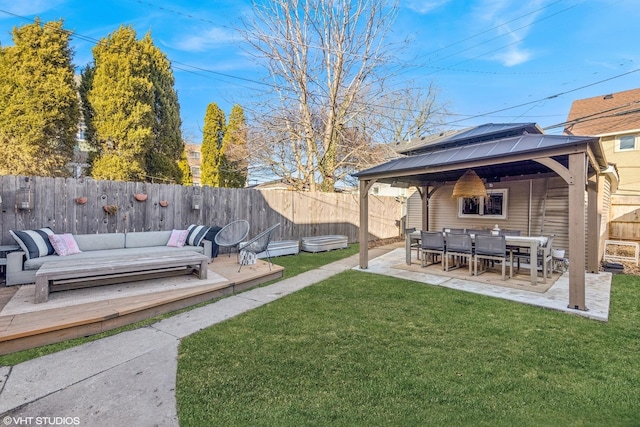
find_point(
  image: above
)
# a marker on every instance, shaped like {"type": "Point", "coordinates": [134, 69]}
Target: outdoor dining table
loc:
{"type": "Point", "coordinates": [531, 242]}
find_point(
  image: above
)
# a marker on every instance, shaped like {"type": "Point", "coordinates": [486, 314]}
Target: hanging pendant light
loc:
{"type": "Point", "coordinates": [469, 185]}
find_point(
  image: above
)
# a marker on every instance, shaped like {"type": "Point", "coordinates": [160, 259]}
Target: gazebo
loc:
{"type": "Point", "coordinates": [579, 161]}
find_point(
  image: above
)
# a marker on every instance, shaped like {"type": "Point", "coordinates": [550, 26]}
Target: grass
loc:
{"type": "Point", "coordinates": [363, 349]}
{"type": "Point", "coordinates": [293, 265]}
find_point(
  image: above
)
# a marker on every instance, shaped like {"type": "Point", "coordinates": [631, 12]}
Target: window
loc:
{"type": "Point", "coordinates": [195, 154]}
{"type": "Point", "coordinates": [195, 171]}
{"type": "Point", "coordinates": [494, 206]}
{"type": "Point", "coordinates": [626, 143]}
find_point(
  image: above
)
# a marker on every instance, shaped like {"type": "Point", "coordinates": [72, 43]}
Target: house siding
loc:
{"type": "Point", "coordinates": [443, 210]}
{"type": "Point", "coordinates": [627, 163]}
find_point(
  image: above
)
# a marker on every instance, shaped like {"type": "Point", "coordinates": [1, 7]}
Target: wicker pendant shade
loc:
{"type": "Point", "coordinates": [469, 185]}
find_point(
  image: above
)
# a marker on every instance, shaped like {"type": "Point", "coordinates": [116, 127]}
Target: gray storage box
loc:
{"type": "Point", "coordinates": [282, 247]}
{"type": "Point", "coordinates": [324, 243]}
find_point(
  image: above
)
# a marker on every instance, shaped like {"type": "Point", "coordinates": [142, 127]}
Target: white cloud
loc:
{"type": "Point", "coordinates": [28, 8]}
{"type": "Point", "coordinates": [212, 38]}
{"type": "Point", "coordinates": [514, 56]}
{"type": "Point", "coordinates": [425, 6]}
{"type": "Point", "coordinates": [514, 20]}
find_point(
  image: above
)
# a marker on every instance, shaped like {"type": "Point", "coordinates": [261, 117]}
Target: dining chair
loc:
{"type": "Point", "coordinates": [493, 248]}
{"type": "Point", "coordinates": [545, 258]}
{"type": "Point", "coordinates": [432, 243]}
{"type": "Point", "coordinates": [458, 245]}
{"type": "Point", "coordinates": [413, 245]}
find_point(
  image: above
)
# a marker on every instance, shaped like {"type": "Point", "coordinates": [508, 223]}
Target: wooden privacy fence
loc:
{"type": "Point", "coordinates": [625, 218]}
{"type": "Point", "coordinates": [77, 206]}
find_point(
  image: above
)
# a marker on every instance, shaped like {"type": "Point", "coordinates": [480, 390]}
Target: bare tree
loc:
{"type": "Point", "coordinates": [333, 96]}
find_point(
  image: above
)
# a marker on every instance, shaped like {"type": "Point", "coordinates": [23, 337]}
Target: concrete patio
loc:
{"type": "Point", "coordinates": [554, 295]}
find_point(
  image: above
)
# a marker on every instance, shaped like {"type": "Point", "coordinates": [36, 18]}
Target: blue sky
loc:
{"type": "Point", "coordinates": [493, 60]}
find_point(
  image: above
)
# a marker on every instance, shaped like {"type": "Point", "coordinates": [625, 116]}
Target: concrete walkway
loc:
{"type": "Point", "coordinates": [128, 379]}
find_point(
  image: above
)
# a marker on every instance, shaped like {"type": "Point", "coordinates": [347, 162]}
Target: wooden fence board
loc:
{"type": "Point", "coordinates": [300, 214]}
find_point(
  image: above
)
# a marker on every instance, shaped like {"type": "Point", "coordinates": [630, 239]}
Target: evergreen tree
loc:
{"type": "Point", "coordinates": [234, 165]}
{"type": "Point", "coordinates": [167, 148]}
{"type": "Point", "coordinates": [38, 101]}
{"type": "Point", "coordinates": [212, 146]}
{"type": "Point", "coordinates": [183, 164]}
{"type": "Point", "coordinates": [122, 98]}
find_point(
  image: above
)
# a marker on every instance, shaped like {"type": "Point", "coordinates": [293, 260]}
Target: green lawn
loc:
{"type": "Point", "coordinates": [361, 349]}
{"type": "Point", "coordinates": [293, 265]}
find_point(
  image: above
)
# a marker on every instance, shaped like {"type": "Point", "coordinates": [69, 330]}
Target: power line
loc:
{"type": "Point", "coordinates": [550, 96]}
{"type": "Point", "coordinates": [189, 68]}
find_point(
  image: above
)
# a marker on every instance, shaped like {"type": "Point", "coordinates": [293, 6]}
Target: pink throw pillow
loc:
{"type": "Point", "coordinates": [64, 244]}
{"type": "Point", "coordinates": [178, 238]}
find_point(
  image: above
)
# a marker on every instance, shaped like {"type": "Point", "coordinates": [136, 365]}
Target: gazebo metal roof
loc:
{"type": "Point", "coordinates": [490, 159]}
{"type": "Point", "coordinates": [471, 135]}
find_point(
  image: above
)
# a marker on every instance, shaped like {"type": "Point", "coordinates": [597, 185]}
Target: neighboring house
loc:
{"type": "Point", "coordinates": [194, 161]}
{"type": "Point", "coordinates": [277, 184]}
{"type": "Point", "coordinates": [615, 119]}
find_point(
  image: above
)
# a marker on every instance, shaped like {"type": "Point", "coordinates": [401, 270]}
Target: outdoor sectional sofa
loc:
{"type": "Point", "coordinates": [22, 269]}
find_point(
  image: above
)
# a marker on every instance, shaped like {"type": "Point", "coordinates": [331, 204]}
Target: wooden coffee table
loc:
{"type": "Point", "coordinates": [64, 275]}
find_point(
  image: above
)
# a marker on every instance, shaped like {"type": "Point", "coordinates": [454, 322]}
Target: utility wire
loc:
{"type": "Point", "coordinates": [189, 68]}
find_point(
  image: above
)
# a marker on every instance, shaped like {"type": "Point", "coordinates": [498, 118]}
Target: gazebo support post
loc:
{"type": "Point", "coordinates": [363, 231]}
{"type": "Point", "coordinates": [425, 195]}
{"type": "Point", "coordinates": [593, 221]}
{"type": "Point", "coordinates": [577, 236]}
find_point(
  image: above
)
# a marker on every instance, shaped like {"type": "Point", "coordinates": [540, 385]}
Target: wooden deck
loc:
{"type": "Point", "coordinates": [52, 323]}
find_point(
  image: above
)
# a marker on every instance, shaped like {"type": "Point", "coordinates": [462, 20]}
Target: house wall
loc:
{"type": "Point", "coordinates": [627, 163]}
{"type": "Point", "coordinates": [194, 160]}
{"type": "Point", "coordinates": [443, 210]}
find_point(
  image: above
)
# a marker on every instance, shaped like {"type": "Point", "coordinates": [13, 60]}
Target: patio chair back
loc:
{"type": "Point", "coordinates": [232, 234]}
{"type": "Point", "coordinates": [259, 243]}
{"type": "Point", "coordinates": [509, 232]}
{"type": "Point", "coordinates": [459, 243]}
{"type": "Point", "coordinates": [432, 240]}
{"type": "Point", "coordinates": [491, 245]}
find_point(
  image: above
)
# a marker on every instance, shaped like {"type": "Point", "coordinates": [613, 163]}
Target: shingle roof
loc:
{"type": "Point", "coordinates": [604, 114]}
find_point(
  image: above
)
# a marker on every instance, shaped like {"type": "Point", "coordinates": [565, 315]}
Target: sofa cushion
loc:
{"type": "Point", "coordinates": [64, 244]}
{"type": "Point", "coordinates": [36, 263]}
{"type": "Point", "coordinates": [97, 242]}
{"type": "Point", "coordinates": [142, 239]}
{"type": "Point", "coordinates": [178, 238]}
{"type": "Point", "coordinates": [196, 234]}
{"type": "Point", "coordinates": [35, 243]}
